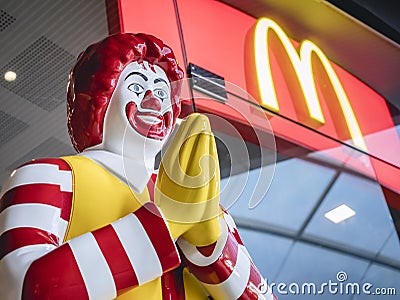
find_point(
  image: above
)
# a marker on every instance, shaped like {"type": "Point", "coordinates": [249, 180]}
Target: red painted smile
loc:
{"type": "Point", "coordinates": [148, 124]}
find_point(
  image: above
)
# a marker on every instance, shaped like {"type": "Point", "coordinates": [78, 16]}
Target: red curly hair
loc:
{"type": "Point", "coordinates": [95, 75]}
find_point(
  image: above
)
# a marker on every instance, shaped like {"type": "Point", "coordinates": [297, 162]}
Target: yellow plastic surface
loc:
{"type": "Point", "coordinates": [188, 183]}
{"type": "Point", "coordinates": [99, 199]}
{"type": "Point", "coordinates": [148, 291]}
{"type": "Point", "coordinates": [193, 288]}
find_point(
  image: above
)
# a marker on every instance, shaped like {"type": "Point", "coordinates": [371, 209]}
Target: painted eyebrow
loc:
{"type": "Point", "coordinates": [137, 73]}
{"type": "Point", "coordinates": [160, 80]}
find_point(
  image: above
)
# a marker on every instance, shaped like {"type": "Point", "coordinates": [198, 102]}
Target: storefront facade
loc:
{"type": "Point", "coordinates": [308, 151]}
{"type": "Point", "coordinates": [302, 104]}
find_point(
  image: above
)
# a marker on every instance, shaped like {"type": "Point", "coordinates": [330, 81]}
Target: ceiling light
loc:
{"type": "Point", "coordinates": [10, 76]}
{"type": "Point", "coordinates": [340, 213]}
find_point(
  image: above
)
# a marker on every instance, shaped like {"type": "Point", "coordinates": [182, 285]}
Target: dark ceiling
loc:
{"type": "Point", "coordinates": [381, 15]}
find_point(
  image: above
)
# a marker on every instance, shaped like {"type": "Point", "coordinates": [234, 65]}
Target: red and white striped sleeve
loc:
{"type": "Point", "coordinates": [35, 264]}
{"type": "Point", "coordinates": [225, 268]}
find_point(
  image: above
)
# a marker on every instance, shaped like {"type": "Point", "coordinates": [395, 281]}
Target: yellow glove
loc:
{"type": "Point", "coordinates": [188, 183]}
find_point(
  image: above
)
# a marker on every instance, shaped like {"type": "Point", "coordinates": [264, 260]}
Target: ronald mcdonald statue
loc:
{"type": "Point", "coordinates": [84, 226]}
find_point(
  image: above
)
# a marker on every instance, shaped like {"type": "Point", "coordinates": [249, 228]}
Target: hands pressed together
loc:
{"type": "Point", "coordinates": [187, 187]}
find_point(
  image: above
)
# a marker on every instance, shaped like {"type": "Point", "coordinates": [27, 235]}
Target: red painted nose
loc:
{"type": "Point", "coordinates": [150, 102]}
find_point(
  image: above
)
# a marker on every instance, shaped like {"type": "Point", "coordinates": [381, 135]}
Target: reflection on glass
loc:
{"type": "Point", "coordinates": [368, 230]}
{"type": "Point", "coordinates": [287, 233]}
{"type": "Point", "coordinates": [293, 242]}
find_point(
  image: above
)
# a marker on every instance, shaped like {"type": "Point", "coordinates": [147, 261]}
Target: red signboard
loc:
{"type": "Point", "coordinates": [221, 39]}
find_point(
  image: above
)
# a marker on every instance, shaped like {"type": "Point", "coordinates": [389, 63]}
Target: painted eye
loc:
{"type": "Point", "coordinates": [160, 94]}
{"type": "Point", "coordinates": [136, 88]}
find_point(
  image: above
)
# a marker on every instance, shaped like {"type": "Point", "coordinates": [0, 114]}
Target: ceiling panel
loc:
{"type": "Point", "coordinates": [42, 69]}
{"type": "Point", "coordinates": [5, 20]}
{"type": "Point", "coordinates": [10, 127]}
{"type": "Point", "coordinates": [40, 40]}
{"type": "Point", "coordinates": [51, 147]}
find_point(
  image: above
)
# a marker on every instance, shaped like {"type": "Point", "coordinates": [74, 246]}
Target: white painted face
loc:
{"type": "Point", "coordinates": [140, 112]}
{"type": "Point", "coordinates": [145, 93]}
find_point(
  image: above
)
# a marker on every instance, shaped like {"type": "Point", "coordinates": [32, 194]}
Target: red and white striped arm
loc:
{"type": "Point", "coordinates": [105, 263]}
{"type": "Point", "coordinates": [34, 211]}
{"type": "Point", "coordinates": [97, 265]}
{"type": "Point", "coordinates": [225, 268]}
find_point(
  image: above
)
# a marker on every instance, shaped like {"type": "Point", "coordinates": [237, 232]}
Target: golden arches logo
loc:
{"type": "Point", "coordinates": [301, 62]}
